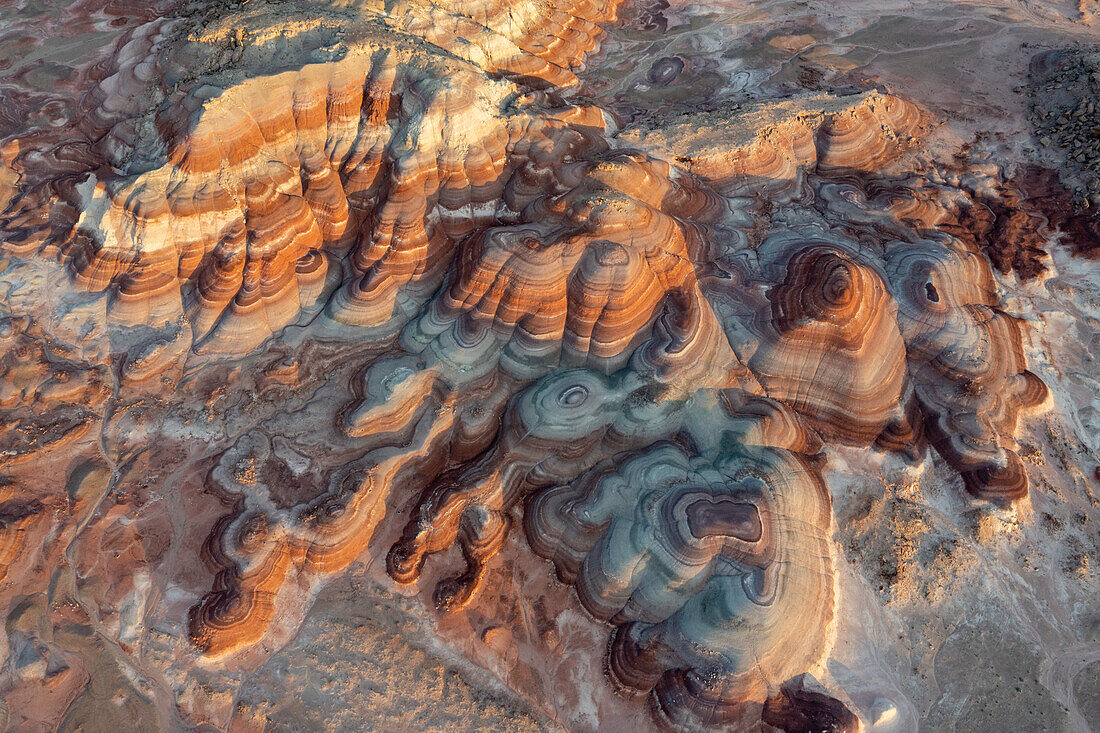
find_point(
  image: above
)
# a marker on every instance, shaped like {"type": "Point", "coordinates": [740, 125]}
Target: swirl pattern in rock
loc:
{"type": "Point", "coordinates": [830, 340]}
{"type": "Point", "coordinates": [636, 343]}
{"type": "Point", "coordinates": [710, 568]}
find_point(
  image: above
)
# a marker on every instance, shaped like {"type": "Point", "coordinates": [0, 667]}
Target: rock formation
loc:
{"type": "Point", "coordinates": [710, 568]}
{"type": "Point", "coordinates": [612, 334]}
{"type": "Point", "coordinates": [829, 340]}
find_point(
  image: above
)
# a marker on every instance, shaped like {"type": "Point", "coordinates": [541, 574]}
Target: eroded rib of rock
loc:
{"type": "Point", "coordinates": [277, 176]}
{"type": "Point", "coordinates": [232, 199]}
{"type": "Point", "coordinates": [256, 547]}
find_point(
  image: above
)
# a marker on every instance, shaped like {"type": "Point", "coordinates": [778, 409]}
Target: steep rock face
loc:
{"type": "Point", "coordinates": [616, 331]}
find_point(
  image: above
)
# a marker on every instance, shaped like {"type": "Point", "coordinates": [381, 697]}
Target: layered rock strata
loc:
{"type": "Point", "coordinates": [639, 341]}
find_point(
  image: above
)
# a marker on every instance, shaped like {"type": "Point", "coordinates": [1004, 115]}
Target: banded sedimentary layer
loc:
{"type": "Point", "coordinates": [707, 566]}
{"type": "Point", "coordinates": [640, 341]}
